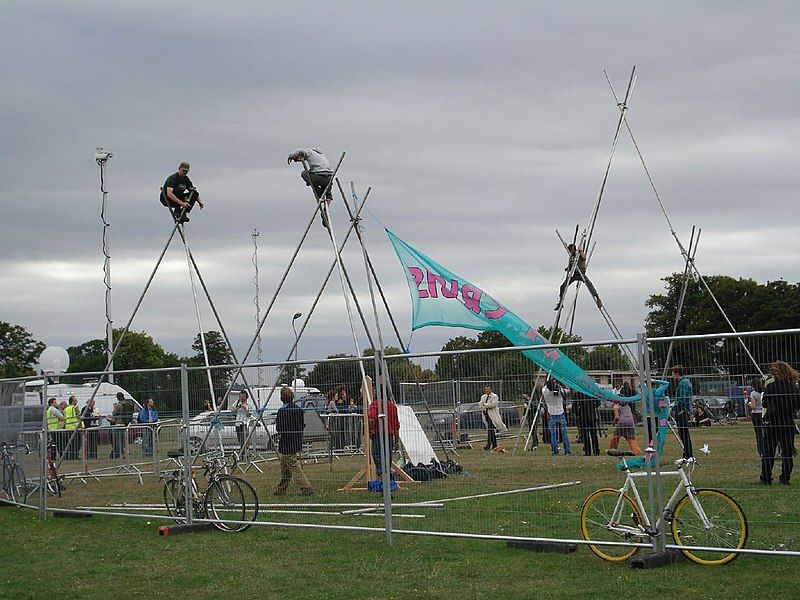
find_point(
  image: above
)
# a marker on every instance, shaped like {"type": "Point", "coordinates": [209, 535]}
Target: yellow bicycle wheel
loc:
{"type": "Point", "coordinates": [596, 524]}
{"type": "Point", "coordinates": [727, 527]}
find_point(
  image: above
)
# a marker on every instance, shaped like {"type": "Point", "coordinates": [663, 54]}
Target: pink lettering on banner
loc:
{"type": "Point", "coordinates": [472, 298]}
{"type": "Point", "coordinates": [418, 276]}
{"type": "Point", "coordinates": [496, 313]}
{"type": "Point", "coordinates": [538, 338]}
{"type": "Point", "coordinates": [434, 279]}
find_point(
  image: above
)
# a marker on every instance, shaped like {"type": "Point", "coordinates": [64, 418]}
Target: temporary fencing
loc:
{"type": "Point", "coordinates": [447, 477]}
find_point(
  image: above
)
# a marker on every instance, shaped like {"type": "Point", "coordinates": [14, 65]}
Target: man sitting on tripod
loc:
{"type": "Point", "coordinates": [179, 194]}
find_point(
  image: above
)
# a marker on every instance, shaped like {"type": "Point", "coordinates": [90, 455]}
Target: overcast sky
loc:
{"type": "Point", "coordinates": [481, 128]}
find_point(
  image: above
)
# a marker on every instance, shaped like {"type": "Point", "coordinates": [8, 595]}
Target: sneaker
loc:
{"type": "Point", "coordinates": [306, 492]}
{"type": "Point", "coordinates": [278, 493]}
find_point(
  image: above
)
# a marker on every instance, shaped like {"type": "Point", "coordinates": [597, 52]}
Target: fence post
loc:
{"type": "Point", "coordinates": [648, 412]}
{"type": "Point", "coordinates": [187, 458]}
{"type": "Point", "coordinates": [42, 454]}
{"type": "Point", "coordinates": [385, 445]}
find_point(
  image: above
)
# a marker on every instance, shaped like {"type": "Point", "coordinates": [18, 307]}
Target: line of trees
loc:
{"type": "Point", "coordinates": [749, 304]}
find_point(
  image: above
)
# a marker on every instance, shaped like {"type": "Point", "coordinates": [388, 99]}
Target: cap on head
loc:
{"type": "Point", "coordinates": [184, 165]}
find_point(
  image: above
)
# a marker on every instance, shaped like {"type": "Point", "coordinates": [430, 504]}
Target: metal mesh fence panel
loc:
{"type": "Point", "coordinates": [525, 464]}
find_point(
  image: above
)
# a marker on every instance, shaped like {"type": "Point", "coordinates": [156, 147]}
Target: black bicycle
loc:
{"type": "Point", "coordinates": [227, 498]}
{"type": "Point", "coordinates": [15, 485]}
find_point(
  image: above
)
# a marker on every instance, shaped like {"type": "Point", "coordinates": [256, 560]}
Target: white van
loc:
{"type": "Point", "coordinates": [272, 402]}
{"type": "Point", "coordinates": [105, 397]}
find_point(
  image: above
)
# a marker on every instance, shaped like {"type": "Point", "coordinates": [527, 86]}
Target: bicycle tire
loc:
{"type": "Point", "coordinates": [19, 484]}
{"type": "Point", "coordinates": [730, 419]}
{"type": "Point", "coordinates": [728, 527]}
{"type": "Point", "coordinates": [8, 487]}
{"type": "Point", "coordinates": [596, 517]}
{"type": "Point", "coordinates": [231, 499]}
{"type": "Point", "coordinates": [174, 499]}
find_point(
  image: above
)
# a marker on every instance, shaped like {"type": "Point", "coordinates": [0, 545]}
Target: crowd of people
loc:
{"type": "Point", "coordinates": [77, 432]}
{"type": "Point", "coordinates": [771, 404]}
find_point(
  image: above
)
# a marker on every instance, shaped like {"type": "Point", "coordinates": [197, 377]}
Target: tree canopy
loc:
{"type": "Point", "coordinates": [751, 306]}
{"type": "Point", "coordinates": [19, 351]}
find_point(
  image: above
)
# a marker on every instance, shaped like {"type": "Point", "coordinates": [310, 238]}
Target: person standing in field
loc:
{"type": "Point", "coordinates": [780, 401]}
{"type": "Point", "coordinates": [683, 408]}
{"type": "Point", "coordinates": [551, 392]}
{"type": "Point", "coordinates": [289, 425]}
{"type": "Point", "coordinates": [490, 414]}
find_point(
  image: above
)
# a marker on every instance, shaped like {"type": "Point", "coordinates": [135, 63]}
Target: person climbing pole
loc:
{"type": "Point", "coordinates": [317, 174]}
{"type": "Point", "coordinates": [579, 255]}
{"type": "Point", "coordinates": [179, 194]}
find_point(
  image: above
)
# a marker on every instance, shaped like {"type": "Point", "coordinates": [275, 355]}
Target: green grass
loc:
{"type": "Point", "coordinates": [114, 556]}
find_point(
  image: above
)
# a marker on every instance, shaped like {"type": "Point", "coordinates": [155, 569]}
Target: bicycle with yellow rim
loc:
{"type": "Point", "coordinates": [707, 525]}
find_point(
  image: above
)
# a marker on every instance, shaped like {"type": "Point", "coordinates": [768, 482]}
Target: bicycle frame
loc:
{"type": "Point", "coordinates": [646, 529]}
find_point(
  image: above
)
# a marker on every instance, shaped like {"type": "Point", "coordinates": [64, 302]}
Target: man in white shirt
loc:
{"type": "Point", "coordinates": [551, 392]}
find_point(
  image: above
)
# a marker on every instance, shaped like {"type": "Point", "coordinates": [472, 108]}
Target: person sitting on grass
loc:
{"type": "Point", "coordinates": [702, 418]}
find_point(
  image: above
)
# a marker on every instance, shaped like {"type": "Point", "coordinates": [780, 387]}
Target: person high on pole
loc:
{"type": "Point", "coordinates": [577, 254]}
{"type": "Point", "coordinates": [179, 194]}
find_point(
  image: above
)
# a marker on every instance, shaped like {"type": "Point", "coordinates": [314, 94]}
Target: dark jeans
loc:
{"type": "Point", "coordinates": [588, 433]}
{"type": "Point", "coordinates": [319, 183]}
{"type": "Point", "coordinates": [117, 442]}
{"type": "Point", "coordinates": [177, 210]}
{"type": "Point", "coordinates": [147, 441]}
{"type": "Point", "coordinates": [774, 436]}
{"type": "Point", "coordinates": [376, 453]}
{"type": "Point", "coordinates": [72, 441]}
{"type": "Point", "coordinates": [240, 434]}
{"type": "Point", "coordinates": [682, 421]}
{"type": "Point", "coordinates": [90, 437]}
{"type": "Point", "coordinates": [491, 433]}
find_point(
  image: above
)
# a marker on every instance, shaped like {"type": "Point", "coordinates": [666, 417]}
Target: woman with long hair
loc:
{"type": "Point", "coordinates": [780, 401]}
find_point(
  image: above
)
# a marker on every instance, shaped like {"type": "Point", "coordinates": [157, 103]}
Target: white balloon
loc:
{"type": "Point", "coordinates": [54, 360]}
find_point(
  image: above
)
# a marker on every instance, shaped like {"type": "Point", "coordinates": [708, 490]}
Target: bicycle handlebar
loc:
{"type": "Point", "coordinates": [7, 446]}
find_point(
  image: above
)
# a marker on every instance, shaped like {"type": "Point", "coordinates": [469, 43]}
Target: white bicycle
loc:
{"type": "Point", "coordinates": [697, 518]}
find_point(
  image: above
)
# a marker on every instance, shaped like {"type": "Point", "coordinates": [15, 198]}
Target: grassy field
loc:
{"type": "Point", "coordinates": [111, 556]}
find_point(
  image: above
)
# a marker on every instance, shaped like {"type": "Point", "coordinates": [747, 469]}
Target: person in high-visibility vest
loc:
{"type": "Point", "coordinates": [55, 421]}
{"type": "Point", "coordinates": [70, 424]}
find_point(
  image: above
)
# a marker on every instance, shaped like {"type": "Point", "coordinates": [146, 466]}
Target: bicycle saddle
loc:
{"type": "Point", "coordinates": [615, 452]}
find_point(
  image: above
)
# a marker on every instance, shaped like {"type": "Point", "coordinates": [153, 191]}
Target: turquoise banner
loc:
{"type": "Point", "coordinates": [440, 297]}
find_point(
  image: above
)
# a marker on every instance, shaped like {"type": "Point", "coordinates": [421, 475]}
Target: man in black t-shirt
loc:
{"type": "Point", "coordinates": [179, 193]}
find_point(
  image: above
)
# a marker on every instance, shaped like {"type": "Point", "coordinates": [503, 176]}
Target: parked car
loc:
{"type": "Point", "coordinates": [442, 421]}
{"type": "Point", "coordinates": [718, 406]}
{"type": "Point", "coordinates": [469, 415]}
{"type": "Point", "coordinates": [199, 426]}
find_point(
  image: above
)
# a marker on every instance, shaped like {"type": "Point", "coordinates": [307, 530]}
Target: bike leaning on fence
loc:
{"type": "Point", "coordinates": [698, 518]}
{"type": "Point", "coordinates": [15, 485]}
{"type": "Point", "coordinates": [227, 498]}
